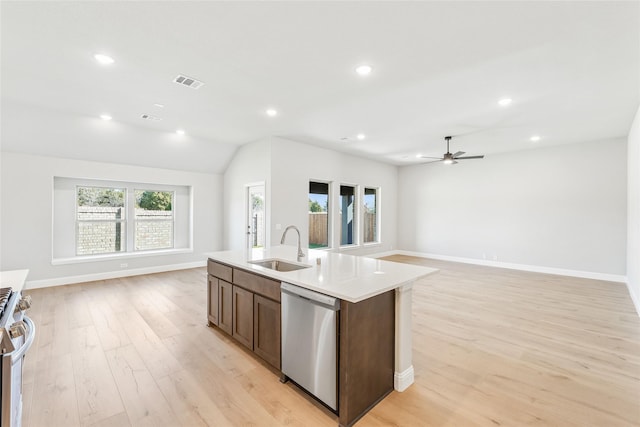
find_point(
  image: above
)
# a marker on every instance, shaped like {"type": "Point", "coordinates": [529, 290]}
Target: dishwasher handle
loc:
{"type": "Point", "coordinates": [311, 296]}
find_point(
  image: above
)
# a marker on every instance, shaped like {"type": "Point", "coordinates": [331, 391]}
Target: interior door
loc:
{"type": "Point", "coordinates": [256, 221]}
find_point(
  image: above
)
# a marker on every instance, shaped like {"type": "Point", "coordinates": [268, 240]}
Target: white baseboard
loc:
{"type": "Point", "coordinates": [635, 298]}
{"type": "Point", "coordinates": [402, 380]}
{"type": "Point", "coordinates": [511, 266]}
{"type": "Point", "coordinates": [59, 281]}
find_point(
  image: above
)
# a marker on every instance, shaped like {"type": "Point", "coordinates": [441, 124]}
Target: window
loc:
{"type": "Point", "coordinates": [370, 215]}
{"type": "Point", "coordinates": [153, 220]}
{"type": "Point", "coordinates": [256, 220]}
{"type": "Point", "coordinates": [100, 220]}
{"type": "Point", "coordinates": [348, 215]}
{"type": "Point", "coordinates": [318, 215]}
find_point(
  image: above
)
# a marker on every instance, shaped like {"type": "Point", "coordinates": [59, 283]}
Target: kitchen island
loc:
{"type": "Point", "coordinates": [375, 315]}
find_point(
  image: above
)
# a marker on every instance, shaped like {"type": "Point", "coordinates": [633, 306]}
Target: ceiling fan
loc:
{"type": "Point", "coordinates": [449, 158]}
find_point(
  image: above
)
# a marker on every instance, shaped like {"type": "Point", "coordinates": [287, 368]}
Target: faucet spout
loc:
{"type": "Point", "coordinates": [300, 253]}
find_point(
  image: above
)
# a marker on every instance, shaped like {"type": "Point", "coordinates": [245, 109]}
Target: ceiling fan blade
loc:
{"type": "Point", "coordinates": [459, 153]}
{"type": "Point", "coordinates": [433, 161]}
{"type": "Point", "coordinates": [426, 157]}
{"type": "Point", "coordinates": [470, 157]}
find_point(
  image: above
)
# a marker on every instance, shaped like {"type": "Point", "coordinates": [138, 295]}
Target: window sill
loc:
{"type": "Point", "coordinates": [125, 255]}
{"type": "Point", "coordinates": [362, 246]}
{"type": "Point", "coordinates": [371, 244]}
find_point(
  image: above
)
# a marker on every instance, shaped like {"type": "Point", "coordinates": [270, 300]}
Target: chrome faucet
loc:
{"type": "Point", "coordinates": [300, 253]}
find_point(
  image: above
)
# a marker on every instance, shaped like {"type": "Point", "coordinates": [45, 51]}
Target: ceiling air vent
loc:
{"type": "Point", "coordinates": [150, 117]}
{"type": "Point", "coordinates": [188, 81]}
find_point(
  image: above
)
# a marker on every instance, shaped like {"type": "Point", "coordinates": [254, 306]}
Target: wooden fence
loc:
{"type": "Point", "coordinates": [318, 227]}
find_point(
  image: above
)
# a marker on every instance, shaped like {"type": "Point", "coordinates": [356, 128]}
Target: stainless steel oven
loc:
{"type": "Point", "coordinates": [17, 332]}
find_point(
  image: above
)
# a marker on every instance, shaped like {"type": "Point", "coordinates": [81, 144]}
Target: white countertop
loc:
{"type": "Point", "coordinates": [348, 277]}
{"type": "Point", "coordinates": [13, 279]}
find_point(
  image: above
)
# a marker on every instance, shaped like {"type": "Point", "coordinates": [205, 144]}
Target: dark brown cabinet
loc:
{"type": "Point", "coordinates": [367, 342]}
{"type": "Point", "coordinates": [212, 301]}
{"type": "Point", "coordinates": [243, 316]}
{"type": "Point", "coordinates": [266, 329]}
{"type": "Point", "coordinates": [247, 307]}
{"type": "Point", "coordinates": [225, 304]}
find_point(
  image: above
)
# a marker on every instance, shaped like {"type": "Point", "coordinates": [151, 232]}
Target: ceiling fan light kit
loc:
{"type": "Point", "coordinates": [451, 159]}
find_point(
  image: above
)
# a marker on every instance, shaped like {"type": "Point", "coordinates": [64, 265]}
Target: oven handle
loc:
{"type": "Point", "coordinates": [31, 334]}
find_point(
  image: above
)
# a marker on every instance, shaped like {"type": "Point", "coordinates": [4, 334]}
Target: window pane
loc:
{"type": "Point", "coordinates": [98, 197]}
{"type": "Point", "coordinates": [347, 215]}
{"type": "Point", "coordinates": [370, 215]}
{"type": "Point", "coordinates": [256, 216]}
{"type": "Point", "coordinates": [153, 220]}
{"type": "Point", "coordinates": [318, 215]}
{"type": "Point", "coordinates": [99, 215]}
{"type": "Point", "coordinates": [100, 237]}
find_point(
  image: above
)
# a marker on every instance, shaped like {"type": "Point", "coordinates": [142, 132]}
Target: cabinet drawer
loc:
{"type": "Point", "coordinates": [261, 285]}
{"type": "Point", "coordinates": [220, 271]}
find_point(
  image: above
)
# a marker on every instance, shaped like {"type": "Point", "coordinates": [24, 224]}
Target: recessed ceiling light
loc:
{"type": "Point", "coordinates": [504, 102]}
{"type": "Point", "coordinates": [103, 59]}
{"type": "Point", "coordinates": [159, 105]}
{"type": "Point", "coordinates": [364, 70]}
{"type": "Point", "coordinates": [271, 112]}
{"type": "Point", "coordinates": [535, 138]}
{"type": "Point", "coordinates": [180, 131]}
{"type": "Point", "coordinates": [361, 136]}
{"type": "Point", "coordinates": [105, 117]}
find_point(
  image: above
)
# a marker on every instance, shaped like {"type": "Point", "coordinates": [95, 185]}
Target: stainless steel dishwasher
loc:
{"type": "Point", "coordinates": [309, 341]}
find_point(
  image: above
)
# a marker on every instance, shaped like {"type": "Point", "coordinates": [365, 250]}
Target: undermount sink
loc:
{"type": "Point", "coordinates": [279, 264]}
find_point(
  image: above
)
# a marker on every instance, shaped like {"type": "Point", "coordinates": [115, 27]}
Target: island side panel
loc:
{"type": "Point", "coordinates": [367, 342]}
{"type": "Point", "coordinates": [403, 376]}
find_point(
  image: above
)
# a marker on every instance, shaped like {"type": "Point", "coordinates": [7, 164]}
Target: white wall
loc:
{"type": "Point", "coordinates": [26, 216]}
{"type": "Point", "coordinates": [294, 164]}
{"type": "Point", "coordinates": [560, 207]}
{"type": "Point", "coordinates": [250, 164]}
{"type": "Point", "coordinates": [633, 211]}
{"type": "Point", "coordinates": [286, 167]}
{"type": "Point", "coordinates": [78, 136]}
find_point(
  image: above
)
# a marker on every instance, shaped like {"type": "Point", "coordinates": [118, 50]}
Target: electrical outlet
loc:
{"type": "Point", "coordinates": [278, 226]}
{"type": "Point", "coordinates": [124, 265]}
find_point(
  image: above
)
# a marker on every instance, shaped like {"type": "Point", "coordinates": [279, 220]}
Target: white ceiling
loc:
{"type": "Point", "coordinates": [571, 68]}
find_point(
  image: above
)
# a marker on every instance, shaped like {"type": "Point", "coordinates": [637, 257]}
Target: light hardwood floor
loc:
{"type": "Point", "coordinates": [491, 347]}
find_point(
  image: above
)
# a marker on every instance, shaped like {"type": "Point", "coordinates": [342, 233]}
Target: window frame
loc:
{"type": "Point", "coordinates": [355, 228]}
{"type": "Point", "coordinates": [135, 221]}
{"type": "Point", "coordinates": [330, 215]}
{"type": "Point", "coordinates": [122, 222]}
{"type": "Point", "coordinates": [64, 217]}
{"type": "Point", "coordinates": [377, 229]}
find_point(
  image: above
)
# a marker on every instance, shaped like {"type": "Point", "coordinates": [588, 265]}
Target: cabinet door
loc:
{"type": "Point", "coordinates": [225, 306]}
{"type": "Point", "coordinates": [266, 329]}
{"type": "Point", "coordinates": [212, 301]}
{"type": "Point", "coordinates": [243, 316]}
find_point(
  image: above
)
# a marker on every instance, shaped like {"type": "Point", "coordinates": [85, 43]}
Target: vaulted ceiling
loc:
{"type": "Point", "coordinates": [439, 68]}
